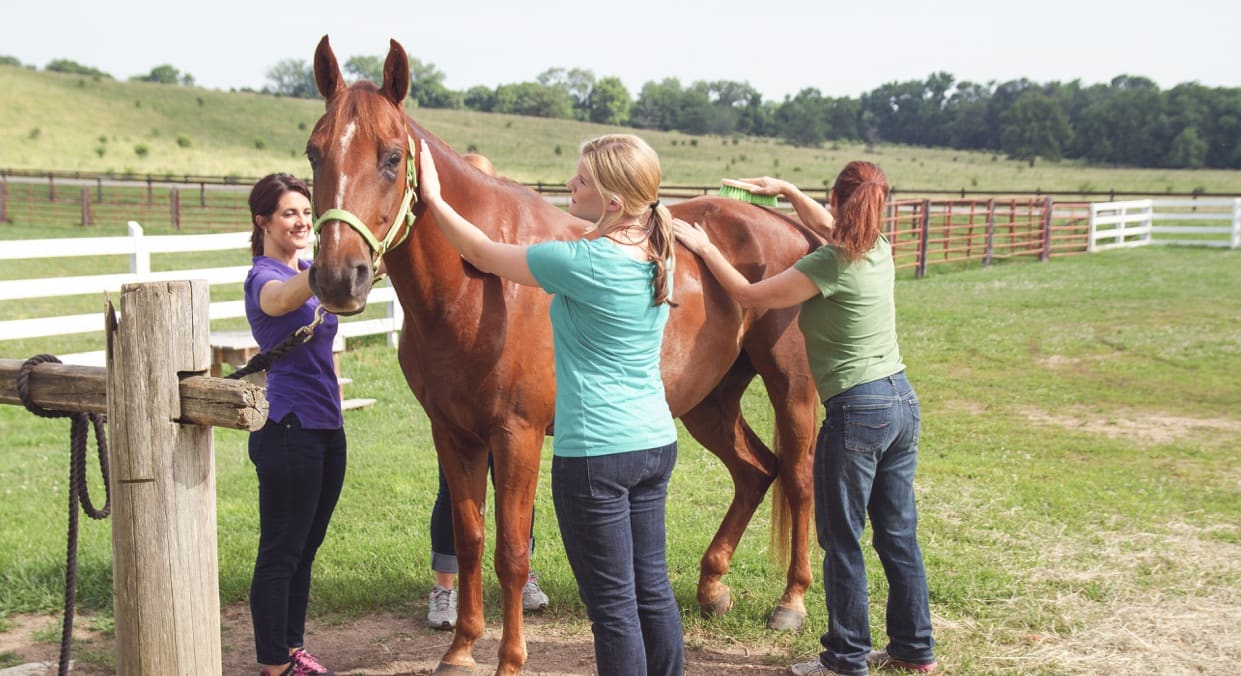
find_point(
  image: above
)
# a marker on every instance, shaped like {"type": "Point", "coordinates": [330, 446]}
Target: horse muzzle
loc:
{"type": "Point", "coordinates": [342, 288]}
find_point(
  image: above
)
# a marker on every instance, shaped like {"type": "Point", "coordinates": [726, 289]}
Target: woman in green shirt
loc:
{"type": "Point", "coordinates": [615, 442]}
{"type": "Point", "coordinates": [868, 445]}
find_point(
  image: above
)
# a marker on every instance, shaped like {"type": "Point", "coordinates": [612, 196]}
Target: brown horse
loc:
{"type": "Point", "coordinates": [477, 350]}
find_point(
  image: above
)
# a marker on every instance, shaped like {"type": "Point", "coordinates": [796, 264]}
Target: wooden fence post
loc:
{"type": "Point", "coordinates": [1047, 207]}
{"type": "Point", "coordinates": [174, 201]}
{"type": "Point", "coordinates": [989, 253]}
{"type": "Point", "coordinates": [165, 571]}
{"type": "Point", "coordinates": [925, 228]}
{"type": "Point", "coordinates": [86, 220]}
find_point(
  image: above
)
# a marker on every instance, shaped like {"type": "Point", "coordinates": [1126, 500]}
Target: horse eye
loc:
{"type": "Point", "coordinates": [312, 155]}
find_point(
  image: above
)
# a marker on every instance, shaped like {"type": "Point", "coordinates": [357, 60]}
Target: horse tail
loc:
{"type": "Point", "coordinates": [780, 537]}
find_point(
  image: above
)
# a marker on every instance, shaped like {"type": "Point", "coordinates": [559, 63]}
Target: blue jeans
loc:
{"type": "Point", "coordinates": [300, 477]}
{"type": "Point", "coordinates": [864, 463]}
{"type": "Point", "coordinates": [611, 513]}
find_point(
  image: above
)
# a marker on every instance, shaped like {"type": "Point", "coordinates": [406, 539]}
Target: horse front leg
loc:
{"type": "Point", "coordinates": [465, 469]}
{"type": "Point", "coordinates": [516, 455]}
{"type": "Point", "coordinates": [717, 424]}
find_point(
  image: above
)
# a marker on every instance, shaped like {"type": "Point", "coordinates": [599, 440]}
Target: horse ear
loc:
{"type": "Point", "coordinates": [396, 74]}
{"type": "Point", "coordinates": [327, 72]}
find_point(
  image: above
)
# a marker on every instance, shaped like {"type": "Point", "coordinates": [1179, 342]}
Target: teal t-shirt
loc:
{"type": "Point", "coordinates": [850, 328]}
{"type": "Point", "coordinates": [607, 336]}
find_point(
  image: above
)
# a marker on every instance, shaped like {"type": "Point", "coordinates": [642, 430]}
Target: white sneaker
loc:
{"type": "Point", "coordinates": [533, 598]}
{"type": "Point", "coordinates": [442, 608]}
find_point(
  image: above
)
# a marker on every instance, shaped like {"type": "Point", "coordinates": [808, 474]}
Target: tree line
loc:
{"type": "Point", "coordinates": [1129, 121]}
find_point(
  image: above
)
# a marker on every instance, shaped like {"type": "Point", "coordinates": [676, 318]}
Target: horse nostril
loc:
{"type": "Point", "coordinates": [362, 276]}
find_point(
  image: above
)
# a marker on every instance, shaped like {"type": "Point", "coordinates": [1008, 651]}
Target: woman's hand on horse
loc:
{"type": "Point", "coordinates": [691, 235]}
{"type": "Point", "coordinates": [428, 177]}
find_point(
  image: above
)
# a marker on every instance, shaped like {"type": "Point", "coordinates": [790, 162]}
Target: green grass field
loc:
{"type": "Point", "coordinates": [1079, 482]}
{"type": "Point", "coordinates": [60, 122]}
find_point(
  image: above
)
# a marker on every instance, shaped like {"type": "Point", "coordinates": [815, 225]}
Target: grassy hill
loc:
{"type": "Point", "coordinates": [53, 121]}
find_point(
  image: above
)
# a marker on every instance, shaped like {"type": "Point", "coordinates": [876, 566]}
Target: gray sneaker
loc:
{"type": "Point", "coordinates": [442, 608]}
{"type": "Point", "coordinates": [532, 598]}
{"type": "Point", "coordinates": [814, 668]}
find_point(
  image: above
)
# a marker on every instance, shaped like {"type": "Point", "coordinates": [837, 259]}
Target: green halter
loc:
{"type": "Point", "coordinates": [406, 214]}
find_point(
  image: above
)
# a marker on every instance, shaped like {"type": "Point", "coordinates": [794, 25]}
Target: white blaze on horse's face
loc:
{"type": "Point", "coordinates": [345, 138]}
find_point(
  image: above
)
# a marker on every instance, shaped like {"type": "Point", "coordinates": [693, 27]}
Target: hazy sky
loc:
{"type": "Point", "coordinates": [778, 47]}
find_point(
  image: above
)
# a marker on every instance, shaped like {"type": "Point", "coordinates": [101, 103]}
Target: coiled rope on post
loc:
{"type": "Point", "coordinates": [78, 490]}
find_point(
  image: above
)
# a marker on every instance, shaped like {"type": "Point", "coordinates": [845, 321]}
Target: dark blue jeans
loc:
{"type": "Point", "coordinates": [611, 513]}
{"type": "Point", "coordinates": [300, 476]}
{"type": "Point", "coordinates": [443, 543]}
{"type": "Point", "coordinates": [864, 463]}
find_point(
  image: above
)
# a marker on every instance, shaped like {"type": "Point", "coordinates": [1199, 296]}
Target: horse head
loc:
{"type": "Point", "coordinates": [363, 158]}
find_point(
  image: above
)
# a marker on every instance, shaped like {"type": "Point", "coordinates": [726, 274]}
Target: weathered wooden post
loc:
{"type": "Point", "coordinates": [174, 205]}
{"type": "Point", "coordinates": [161, 407]}
{"type": "Point", "coordinates": [165, 572]}
{"type": "Point", "coordinates": [989, 254]}
{"type": "Point", "coordinates": [924, 229]}
{"type": "Point", "coordinates": [86, 218]}
{"type": "Point", "coordinates": [1048, 206]}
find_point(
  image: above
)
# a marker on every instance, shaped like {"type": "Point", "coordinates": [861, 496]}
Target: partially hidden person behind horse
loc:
{"type": "Point", "coordinates": [442, 599]}
{"type": "Point", "coordinates": [615, 442]}
{"type": "Point", "coordinates": [867, 448]}
{"type": "Point", "coordinates": [300, 453]}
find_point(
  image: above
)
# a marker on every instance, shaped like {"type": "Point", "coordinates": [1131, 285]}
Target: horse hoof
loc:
{"type": "Point", "coordinates": [445, 669]}
{"type": "Point", "coordinates": [786, 619]}
{"type": "Point", "coordinates": [720, 605]}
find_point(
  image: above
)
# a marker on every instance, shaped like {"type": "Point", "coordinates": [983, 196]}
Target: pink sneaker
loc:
{"type": "Point", "coordinates": [880, 659]}
{"type": "Point", "coordinates": [305, 664]}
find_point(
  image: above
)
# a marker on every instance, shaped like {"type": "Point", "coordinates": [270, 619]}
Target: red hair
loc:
{"type": "Point", "coordinates": [859, 196]}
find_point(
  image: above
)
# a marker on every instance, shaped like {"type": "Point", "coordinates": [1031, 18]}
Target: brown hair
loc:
{"type": "Point", "coordinates": [859, 196]}
{"type": "Point", "coordinates": [626, 168]}
{"type": "Point", "coordinates": [265, 199]}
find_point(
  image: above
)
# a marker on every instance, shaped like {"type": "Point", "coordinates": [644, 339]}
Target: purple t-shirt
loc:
{"type": "Point", "coordinates": [304, 380]}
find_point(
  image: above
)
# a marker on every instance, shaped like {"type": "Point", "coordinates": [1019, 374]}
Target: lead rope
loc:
{"type": "Point", "coordinates": [77, 487]}
{"type": "Point", "coordinates": [263, 360]}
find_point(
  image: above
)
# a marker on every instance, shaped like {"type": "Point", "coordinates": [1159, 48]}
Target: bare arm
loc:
{"type": "Point", "coordinates": [786, 289]}
{"type": "Point", "coordinates": [278, 298]}
{"type": "Point", "coordinates": [816, 216]}
{"type": "Point", "coordinates": [505, 260]}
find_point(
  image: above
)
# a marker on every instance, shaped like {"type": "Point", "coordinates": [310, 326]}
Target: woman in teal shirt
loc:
{"type": "Point", "coordinates": [615, 443]}
{"type": "Point", "coordinates": [867, 449]}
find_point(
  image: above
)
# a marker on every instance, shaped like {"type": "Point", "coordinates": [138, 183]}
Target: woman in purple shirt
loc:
{"type": "Point", "coordinates": [300, 453]}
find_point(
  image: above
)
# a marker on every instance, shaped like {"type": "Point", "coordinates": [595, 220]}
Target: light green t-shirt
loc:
{"type": "Point", "coordinates": [607, 336]}
{"type": "Point", "coordinates": [850, 328]}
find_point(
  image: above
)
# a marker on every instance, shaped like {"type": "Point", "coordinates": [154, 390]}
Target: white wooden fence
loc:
{"type": "Point", "coordinates": [1200, 222]}
{"type": "Point", "coordinates": [139, 248]}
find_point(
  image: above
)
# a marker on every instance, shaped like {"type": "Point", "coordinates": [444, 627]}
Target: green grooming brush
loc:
{"type": "Point", "coordinates": [740, 190]}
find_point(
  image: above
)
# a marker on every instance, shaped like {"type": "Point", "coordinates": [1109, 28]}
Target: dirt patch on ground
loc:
{"type": "Point", "coordinates": [1143, 429]}
{"type": "Point", "coordinates": [385, 644]}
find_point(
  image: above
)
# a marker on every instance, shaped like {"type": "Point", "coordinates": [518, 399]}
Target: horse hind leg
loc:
{"type": "Point", "coordinates": [717, 423]}
{"type": "Point", "coordinates": [795, 404]}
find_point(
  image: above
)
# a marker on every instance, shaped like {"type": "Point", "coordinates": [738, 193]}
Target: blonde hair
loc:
{"type": "Point", "coordinates": [626, 169]}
